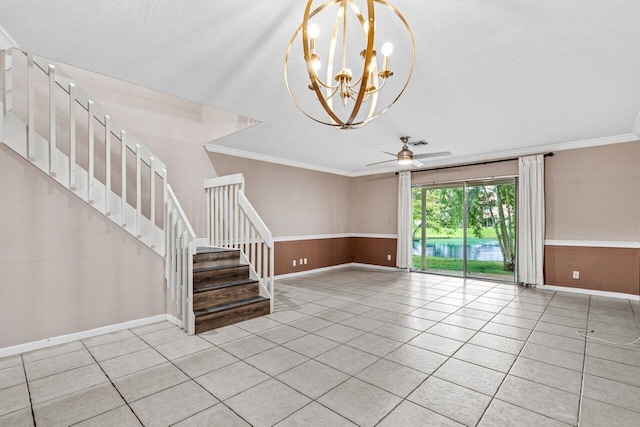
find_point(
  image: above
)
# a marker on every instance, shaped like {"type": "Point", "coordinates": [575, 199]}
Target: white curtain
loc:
{"type": "Point", "coordinates": [531, 220]}
{"type": "Point", "coordinates": [404, 255]}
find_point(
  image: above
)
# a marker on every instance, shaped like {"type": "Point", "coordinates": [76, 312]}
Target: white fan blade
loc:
{"type": "Point", "coordinates": [417, 163]}
{"type": "Point", "coordinates": [377, 163]}
{"type": "Point", "coordinates": [433, 155]}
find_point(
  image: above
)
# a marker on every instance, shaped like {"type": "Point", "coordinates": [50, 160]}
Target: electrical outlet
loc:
{"type": "Point", "coordinates": [389, 257]}
{"type": "Point", "coordinates": [294, 262]}
{"type": "Point", "coordinates": [576, 274]}
{"type": "Point", "coordinates": [305, 261]}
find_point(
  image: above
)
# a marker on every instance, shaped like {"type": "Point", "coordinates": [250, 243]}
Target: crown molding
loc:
{"type": "Point", "coordinates": [220, 149]}
{"type": "Point", "coordinates": [6, 41]}
{"type": "Point", "coordinates": [571, 145]}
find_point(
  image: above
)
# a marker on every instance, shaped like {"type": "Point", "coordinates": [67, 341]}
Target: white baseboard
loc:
{"type": "Point", "coordinates": [63, 339]}
{"type": "Point", "coordinates": [378, 267]}
{"type": "Point", "coordinates": [594, 292]}
{"type": "Point", "coordinates": [335, 267]}
{"type": "Point", "coordinates": [202, 241]}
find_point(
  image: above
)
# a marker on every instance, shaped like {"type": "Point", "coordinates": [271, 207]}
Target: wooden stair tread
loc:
{"type": "Point", "coordinates": [229, 306]}
{"type": "Point", "coordinates": [213, 250]}
{"type": "Point", "coordinates": [207, 288]}
{"type": "Point", "coordinates": [217, 267]}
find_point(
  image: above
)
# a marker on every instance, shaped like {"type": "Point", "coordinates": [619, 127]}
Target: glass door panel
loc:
{"type": "Point", "coordinates": [466, 229]}
{"type": "Point", "coordinates": [438, 233]}
{"type": "Point", "coordinates": [491, 231]}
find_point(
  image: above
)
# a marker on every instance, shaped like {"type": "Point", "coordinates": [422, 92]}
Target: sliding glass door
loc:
{"type": "Point", "coordinates": [466, 229]}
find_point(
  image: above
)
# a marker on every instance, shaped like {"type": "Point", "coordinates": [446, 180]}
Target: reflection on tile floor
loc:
{"type": "Point", "coordinates": [351, 346]}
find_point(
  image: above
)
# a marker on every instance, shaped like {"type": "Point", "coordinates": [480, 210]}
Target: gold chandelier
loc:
{"type": "Point", "coordinates": [363, 97]}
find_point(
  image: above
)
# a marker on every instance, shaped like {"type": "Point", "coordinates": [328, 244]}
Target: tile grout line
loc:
{"type": "Point", "coordinates": [112, 385]}
{"type": "Point", "coordinates": [584, 363]}
{"type": "Point", "coordinates": [26, 380]}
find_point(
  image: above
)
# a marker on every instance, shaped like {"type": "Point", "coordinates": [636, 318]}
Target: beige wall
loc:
{"type": "Point", "coordinates": [375, 204]}
{"type": "Point", "coordinates": [65, 267]}
{"type": "Point", "coordinates": [292, 201]}
{"type": "Point", "coordinates": [594, 193]}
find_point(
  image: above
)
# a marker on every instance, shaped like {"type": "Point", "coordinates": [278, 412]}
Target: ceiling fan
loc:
{"type": "Point", "coordinates": [406, 157]}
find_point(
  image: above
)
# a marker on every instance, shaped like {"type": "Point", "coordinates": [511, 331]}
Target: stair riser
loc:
{"type": "Point", "coordinates": [229, 317]}
{"type": "Point", "coordinates": [225, 295]}
{"type": "Point", "coordinates": [217, 258]}
{"type": "Point", "coordinates": [214, 277]}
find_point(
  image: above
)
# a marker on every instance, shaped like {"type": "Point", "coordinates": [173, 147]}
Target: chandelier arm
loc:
{"type": "Point", "coordinates": [371, 16]}
{"type": "Point", "coordinates": [307, 57]}
{"type": "Point", "coordinates": [332, 53]}
{"type": "Point", "coordinates": [323, 84]}
{"type": "Point", "coordinates": [333, 93]}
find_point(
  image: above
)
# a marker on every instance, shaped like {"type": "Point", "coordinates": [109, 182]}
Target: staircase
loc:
{"type": "Point", "coordinates": [114, 172]}
{"type": "Point", "coordinates": [223, 290]}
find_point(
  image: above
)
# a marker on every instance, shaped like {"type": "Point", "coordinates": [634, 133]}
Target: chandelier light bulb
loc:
{"type": "Point", "coordinates": [387, 49]}
{"type": "Point", "coordinates": [313, 31]}
{"type": "Point", "coordinates": [316, 64]}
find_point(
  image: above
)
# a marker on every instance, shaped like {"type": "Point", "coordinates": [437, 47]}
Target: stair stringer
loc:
{"type": "Point", "coordinates": [253, 275]}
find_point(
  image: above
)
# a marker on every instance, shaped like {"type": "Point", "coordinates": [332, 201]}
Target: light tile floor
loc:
{"type": "Point", "coordinates": [351, 346]}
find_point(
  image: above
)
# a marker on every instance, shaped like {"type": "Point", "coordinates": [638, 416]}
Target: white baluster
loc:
{"type": "Point", "coordinates": [167, 240]}
{"type": "Point", "coordinates": [152, 214]}
{"type": "Point", "coordinates": [218, 217]}
{"type": "Point", "coordinates": [258, 264]}
{"type": "Point", "coordinates": [172, 258]}
{"type": "Point", "coordinates": [208, 217]}
{"type": "Point", "coordinates": [123, 172]}
{"type": "Point", "coordinates": [138, 192]}
{"type": "Point", "coordinates": [231, 213]}
{"type": "Point", "coordinates": [183, 295]}
{"type": "Point", "coordinates": [178, 294]}
{"type": "Point", "coordinates": [253, 246]}
{"type": "Point", "coordinates": [90, 177]}
{"type": "Point", "coordinates": [8, 82]}
{"type": "Point", "coordinates": [31, 110]}
{"type": "Point", "coordinates": [271, 274]}
{"type": "Point", "coordinates": [236, 210]}
{"type": "Point", "coordinates": [53, 150]}
{"type": "Point", "coordinates": [265, 263]}
{"type": "Point", "coordinates": [107, 165]}
{"type": "Point", "coordinates": [165, 198]}
{"type": "Point", "coordinates": [72, 136]}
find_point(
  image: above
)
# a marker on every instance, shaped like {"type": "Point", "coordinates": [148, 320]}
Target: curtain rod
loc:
{"type": "Point", "coordinates": [470, 164]}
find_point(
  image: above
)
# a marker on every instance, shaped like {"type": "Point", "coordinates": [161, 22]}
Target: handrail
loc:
{"type": "Point", "coordinates": [222, 181]}
{"type": "Point", "coordinates": [84, 99]}
{"type": "Point", "coordinates": [232, 222]}
{"type": "Point", "coordinates": [253, 216]}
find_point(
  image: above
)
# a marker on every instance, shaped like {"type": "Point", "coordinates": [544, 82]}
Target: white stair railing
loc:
{"type": "Point", "coordinates": [233, 223]}
{"type": "Point", "coordinates": [175, 240]}
{"type": "Point", "coordinates": [181, 247]}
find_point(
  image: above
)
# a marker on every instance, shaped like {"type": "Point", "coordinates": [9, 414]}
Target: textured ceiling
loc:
{"type": "Point", "coordinates": [491, 78]}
